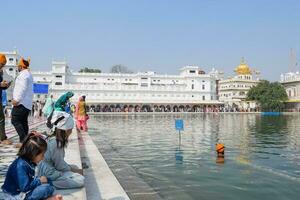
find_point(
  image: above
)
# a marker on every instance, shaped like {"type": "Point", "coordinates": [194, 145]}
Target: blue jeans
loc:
{"type": "Point", "coordinates": [40, 192]}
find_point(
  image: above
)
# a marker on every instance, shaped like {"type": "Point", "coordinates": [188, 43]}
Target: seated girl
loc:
{"type": "Point", "coordinates": [54, 166]}
{"type": "Point", "coordinates": [20, 182]}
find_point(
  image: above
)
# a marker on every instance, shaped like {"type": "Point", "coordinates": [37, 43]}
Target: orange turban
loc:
{"type": "Point", "coordinates": [220, 148]}
{"type": "Point", "coordinates": [2, 59]}
{"type": "Point", "coordinates": [24, 63]}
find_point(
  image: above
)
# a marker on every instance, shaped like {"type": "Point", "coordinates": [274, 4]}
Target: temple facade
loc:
{"type": "Point", "coordinates": [233, 91]}
{"type": "Point", "coordinates": [291, 83]}
{"type": "Point", "coordinates": [191, 90]}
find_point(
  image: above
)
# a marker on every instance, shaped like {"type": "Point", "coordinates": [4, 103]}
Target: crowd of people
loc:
{"type": "Point", "coordinates": [37, 108]}
{"type": "Point", "coordinates": [40, 166]}
{"type": "Point", "coordinates": [167, 108]}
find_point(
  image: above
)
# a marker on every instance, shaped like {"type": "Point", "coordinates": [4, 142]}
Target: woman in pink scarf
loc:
{"type": "Point", "coordinates": [81, 115]}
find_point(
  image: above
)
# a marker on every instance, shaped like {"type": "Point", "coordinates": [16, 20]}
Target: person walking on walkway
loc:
{"type": "Point", "coordinates": [40, 108]}
{"type": "Point", "coordinates": [32, 110]}
{"type": "Point", "coordinates": [81, 115]}
{"type": "Point", "coordinates": [22, 100]}
{"type": "Point", "coordinates": [36, 109]}
{"type": "Point", "coordinates": [3, 86]}
{"type": "Point", "coordinates": [49, 106]}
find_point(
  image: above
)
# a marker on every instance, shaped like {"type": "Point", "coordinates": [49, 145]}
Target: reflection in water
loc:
{"type": "Point", "coordinates": [270, 127]}
{"type": "Point", "coordinates": [179, 156]}
{"type": "Point", "coordinates": [262, 154]}
{"type": "Point", "coordinates": [220, 159]}
{"type": "Point", "coordinates": [179, 151]}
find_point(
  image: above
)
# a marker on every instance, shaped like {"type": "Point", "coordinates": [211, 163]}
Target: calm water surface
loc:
{"type": "Point", "coordinates": [262, 156]}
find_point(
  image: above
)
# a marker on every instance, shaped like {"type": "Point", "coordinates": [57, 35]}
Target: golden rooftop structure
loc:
{"type": "Point", "coordinates": [243, 68]}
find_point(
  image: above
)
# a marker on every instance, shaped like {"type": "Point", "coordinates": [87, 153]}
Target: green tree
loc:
{"type": "Point", "coordinates": [270, 96]}
{"type": "Point", "coordinates": [120, 69]}
{"type": "Point", "coordinates": [89, 70]}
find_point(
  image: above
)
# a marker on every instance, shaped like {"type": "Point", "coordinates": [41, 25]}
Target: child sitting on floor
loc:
{"type": "Point", "coordinates": [20, 181]}
{"type": "Point", "coordinates": [54, 166]}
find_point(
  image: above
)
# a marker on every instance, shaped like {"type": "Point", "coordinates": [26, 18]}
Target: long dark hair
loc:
{"type": "Point", "coordinates": [59, 134]}
{"type": "Point", "coordinates": [32, 146]}
{"type": "Point", "coordinates": [61, 137]}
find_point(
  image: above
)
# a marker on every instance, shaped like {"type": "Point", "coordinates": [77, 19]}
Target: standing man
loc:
{"type": "Point", "coordinates": [3, 86]}
{"type": "Point", "coordinates": [22, 100]}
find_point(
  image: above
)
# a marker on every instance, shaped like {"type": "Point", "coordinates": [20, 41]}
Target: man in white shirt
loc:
{"type": "Point", "coordinates": [22, 100]}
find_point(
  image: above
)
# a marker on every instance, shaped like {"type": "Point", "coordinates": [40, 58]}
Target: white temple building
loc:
{"type": "Point", "coordinates": [191, 88]}
{"type": "Point", "coordinates": [10, 70]}
{"type": "Point", "coordinates": [233, 91]}
{"type": "Point", "coordinates": [291, 83]}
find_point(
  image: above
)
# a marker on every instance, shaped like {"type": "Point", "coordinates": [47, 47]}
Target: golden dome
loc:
{"type": "Point", "coordinates": [243, 69]}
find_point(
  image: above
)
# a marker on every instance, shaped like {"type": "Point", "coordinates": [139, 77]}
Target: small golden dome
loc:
{"type": "Point", "coordinates": [243, 68]}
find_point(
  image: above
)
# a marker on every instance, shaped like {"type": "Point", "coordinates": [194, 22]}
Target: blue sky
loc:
{"type": "Point", "coordinates": [157, 35]}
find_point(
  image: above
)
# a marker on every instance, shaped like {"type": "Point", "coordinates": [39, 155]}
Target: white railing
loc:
{"type": "Point", "coordinates": [125, 87]}
{"type": "Point", "coordinates": [41, 73]}
{"type": "Point", "coordinates": [290, 79]}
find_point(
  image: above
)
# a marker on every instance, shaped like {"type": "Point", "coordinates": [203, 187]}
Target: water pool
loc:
{"type": "Point", "coordinates": [262, 156]}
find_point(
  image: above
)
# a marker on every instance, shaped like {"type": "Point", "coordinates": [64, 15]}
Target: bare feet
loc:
{"type": "Point", "coordinates": [78, 171]}
{"type": "Point", "coordinates": [55, 197]}
{"type": "Point", "coordinates": [18, 145]}
{"type": "Point", "coordinates": [6, 142]}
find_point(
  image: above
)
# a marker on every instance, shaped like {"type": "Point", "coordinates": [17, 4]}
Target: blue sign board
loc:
{"type": "Point", "coordinates": [39, 88]}
{"type": "Point", "coordinates": [179, 124]}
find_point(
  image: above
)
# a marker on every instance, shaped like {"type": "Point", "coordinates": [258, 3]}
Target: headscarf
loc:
{"type": "Point", "coordinates": [220, 148]}
{"type": "Point", "coordinates": [62, 120]}
{"type": "Point", "coordinates": [60, 104]}
{"type": "Point", "coordinates": [2, 59]}
{"type": "Point", "coordinates": [24, 63]}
